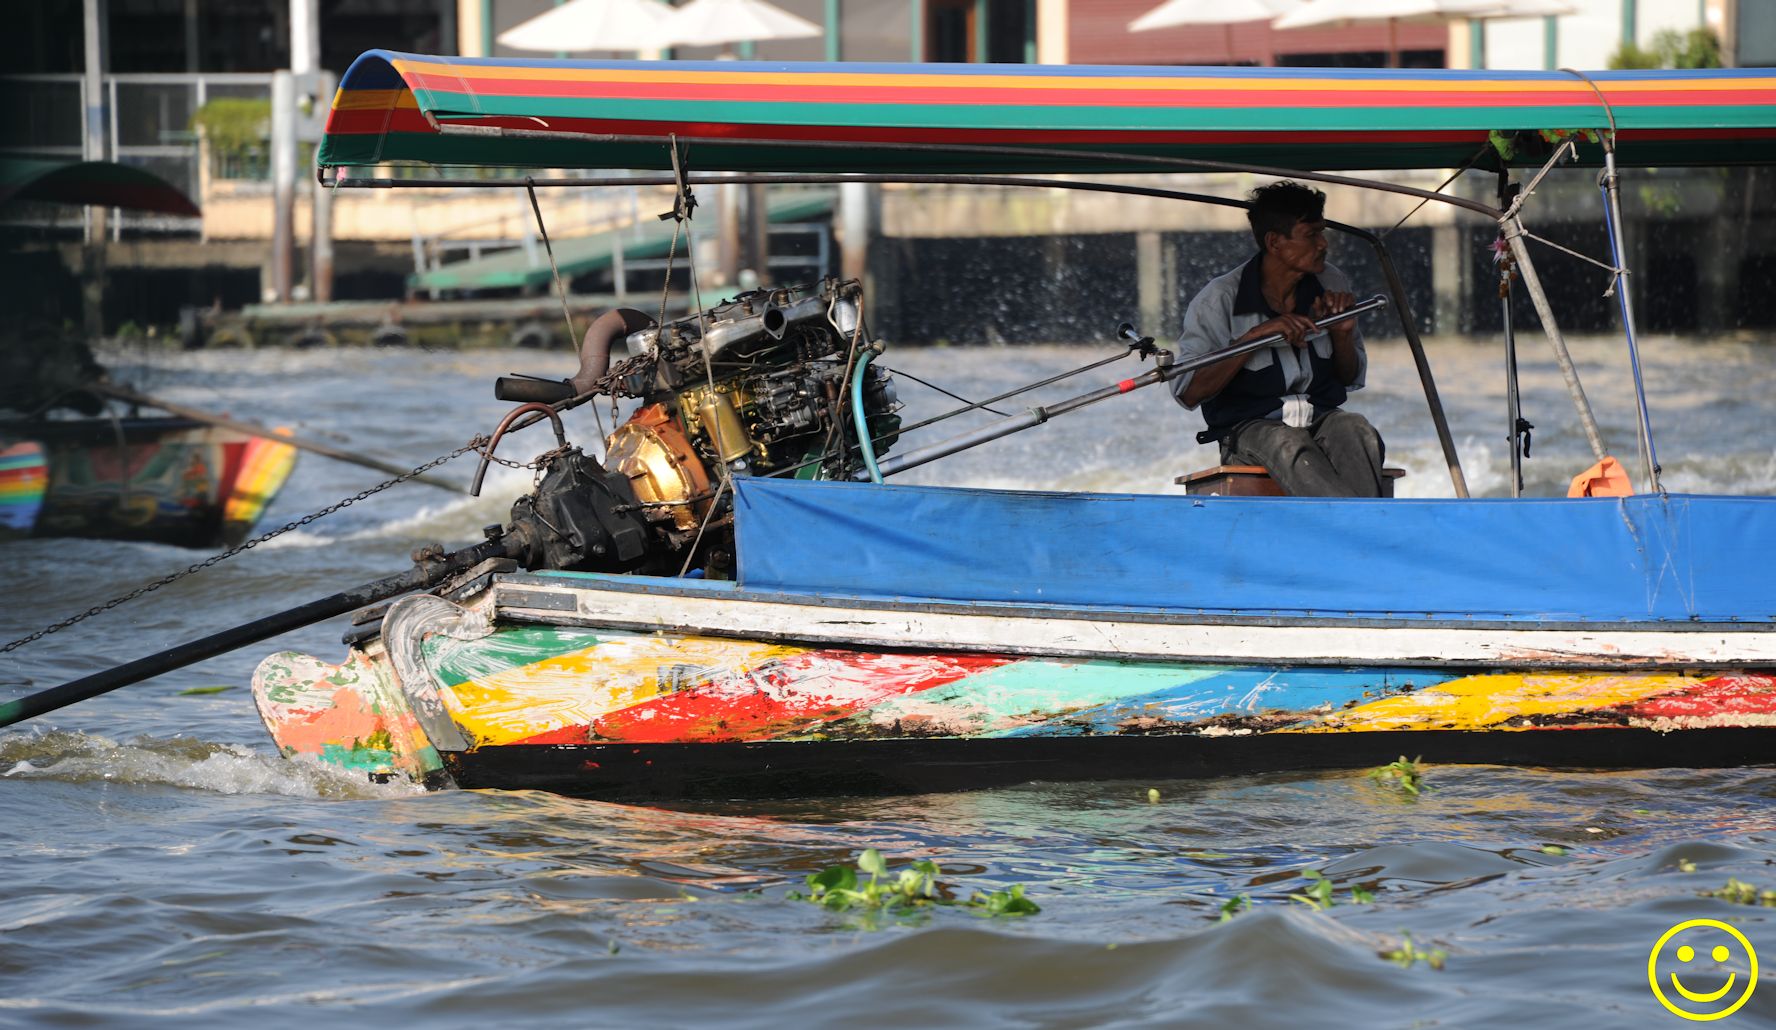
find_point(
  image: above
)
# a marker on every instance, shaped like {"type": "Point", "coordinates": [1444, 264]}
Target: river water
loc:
{"type": "Point", "coordinates": [164, 867]}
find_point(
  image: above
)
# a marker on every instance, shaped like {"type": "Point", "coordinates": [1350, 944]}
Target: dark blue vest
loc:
{"type": "Point", "coordinates": [1259, 394]}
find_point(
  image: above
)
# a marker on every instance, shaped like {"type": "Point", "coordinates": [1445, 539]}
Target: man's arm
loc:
{"type": "Point", "coordinates": [1207, 382]}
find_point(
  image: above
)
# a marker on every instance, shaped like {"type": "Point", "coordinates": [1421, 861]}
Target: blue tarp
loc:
{"type": "Point", "coordinates": [1677, 558]}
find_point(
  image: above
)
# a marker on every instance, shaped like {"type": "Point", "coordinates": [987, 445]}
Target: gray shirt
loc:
{"type": "Point", "coordinates": [1222, 312]}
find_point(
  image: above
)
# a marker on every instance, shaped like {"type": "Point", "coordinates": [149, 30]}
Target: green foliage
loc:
{"type": "Point", "coordinates": [1684, 865]}
{"type": "Point", "coordinates": [1408, 953]}
{"type": "Point", "coordinates": [194, 691]}
{"type": "Point", "coordinates": [1407, 773]}
{"type": "Point", "coordinates": [1318, 895]}
{"type": "Point", "coordinates": [840, 889]}
{"type": "Point", "coordinates": [1741, 893]}
{"type": "Point", "coordinates": [1697, 48]}
{"type": "Point", "coordinates": [235, 126]}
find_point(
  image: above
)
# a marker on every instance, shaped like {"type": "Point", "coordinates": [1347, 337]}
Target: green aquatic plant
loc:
{"type": "Point", "coordinates": [1319, 896]}
{"type": "Point", "coordinates": [1553, 849]}
{"type": "Point", "coordinates": [1684, 865]}
{"type": "Point", "coordinates": [1741, 893]}
{"type": "Point", "coordinates": [1407, 772]}
{"type": "Point", "coordinates": [915, 887]}
{"type": "Point", "coordinates": [1237, 903]}
{"type": "Point", "coordinates": [195, 691]}
{"type": "Point", "coordinates": [1408, 954]}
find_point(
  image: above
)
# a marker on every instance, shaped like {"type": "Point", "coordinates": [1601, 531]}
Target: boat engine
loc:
{"type": "Point", "coordinates": [756, 385]}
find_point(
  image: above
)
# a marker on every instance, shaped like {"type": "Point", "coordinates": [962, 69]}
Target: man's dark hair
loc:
{"type": "Point", "coordinates": [1277, 207]}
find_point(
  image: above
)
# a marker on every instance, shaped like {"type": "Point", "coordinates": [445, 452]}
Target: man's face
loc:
{"type": "Point", "coordinates": [1304, 249]}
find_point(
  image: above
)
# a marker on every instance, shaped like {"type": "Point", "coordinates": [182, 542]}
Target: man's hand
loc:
{"type": "Point", "coordinates": [1333, 303]}
{"type": "Point", "coordinates": [1294, 328]}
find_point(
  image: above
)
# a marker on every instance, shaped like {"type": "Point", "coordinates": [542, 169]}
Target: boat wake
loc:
{"type": "Point", "coordinates": [455, 519]}
{"type": "Point", "coordinates": [178, 762]}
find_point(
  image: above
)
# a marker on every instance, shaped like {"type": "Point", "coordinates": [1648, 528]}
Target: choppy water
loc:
{"type": "Point", "coordinates": [163, 867]}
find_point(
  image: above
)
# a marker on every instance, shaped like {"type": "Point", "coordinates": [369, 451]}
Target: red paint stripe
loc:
{"type": "Point", "coordinates": [1724, 695]}
{"type": "Point", "coordinates": [375, 123]}
{"type": "Point", "coordinates": [789, 696]}
{"type": "Point", "coordinates": [1125, 386]}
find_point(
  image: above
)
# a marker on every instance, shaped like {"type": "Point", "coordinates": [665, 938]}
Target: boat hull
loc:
{"type": "Point", "coordinates": [618, 772]}
{"type": "Point", "coordinates": [165, 480]}
{"type": "Point", "coordinates": [619, 687]}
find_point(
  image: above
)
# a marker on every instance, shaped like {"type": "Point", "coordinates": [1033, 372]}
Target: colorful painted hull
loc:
{"type": "Point", "coordinates": [167, 480]}
{"type": "Point", "coordinates": [633, 686]}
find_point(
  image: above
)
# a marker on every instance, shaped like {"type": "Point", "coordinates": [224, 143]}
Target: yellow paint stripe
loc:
{"type": "Point", "coordinates": [1476, 702]}
{"type": "Point", "coordinates": [1107, 83]}
{"type": "Point", "coordinates": [373, 99]}
{"type": "Point", "coordinates": [576, 688]}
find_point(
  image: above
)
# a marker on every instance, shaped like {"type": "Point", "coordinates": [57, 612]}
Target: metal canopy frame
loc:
{"type": "Point", "coordinates": [1509, 220]}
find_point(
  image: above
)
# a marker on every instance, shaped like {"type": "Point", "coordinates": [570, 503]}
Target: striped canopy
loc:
{"type": "Point", "coordinates": [755, 116]}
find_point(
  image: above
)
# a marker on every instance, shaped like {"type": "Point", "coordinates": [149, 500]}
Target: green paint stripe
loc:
{"type": "Point", "coordinates": [457, 661]}
{"type": "Point", "coordinates": [1040, 117]}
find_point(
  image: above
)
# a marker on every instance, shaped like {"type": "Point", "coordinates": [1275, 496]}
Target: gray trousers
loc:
{"type": "Point", "coordinates": [1338, 455]}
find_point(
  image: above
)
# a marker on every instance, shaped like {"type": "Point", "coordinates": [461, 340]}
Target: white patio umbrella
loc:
{"type": "Point", "coordinates": [592, 25]}
{"type": "Point", "coordinates": [1225, 13]}
{"type": "Point", "coordinates": [1323, 12]}
{"type": "Point", "coordinates": [718, 22]}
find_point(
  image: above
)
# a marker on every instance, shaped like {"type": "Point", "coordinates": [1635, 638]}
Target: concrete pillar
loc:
{"type": "Point", "coordinates": [321, 224]}
{"type": "Point", "coordinates": [854, 229]}
{"type": "Point", "coordinates": [283, 183]}
{"type": "Point", "coordinates": [96, 122]}
{"type": "Point", "coordinates": [192, 61]}
{"type": "Point", "coordinates": [305, 35]}
{"type": "Point", "coordinates": [1448, 256]}
{"type": "Point", "coordinates": [727, 213]}
{"type": "Point", "coordinates": [1051, 31]}
{"type": "Point", "coordinates": [758, 218]}
{"type": "Point", "coordinates": [469, 32]}
{"type": "Point", "coordinates": [1152, 284]}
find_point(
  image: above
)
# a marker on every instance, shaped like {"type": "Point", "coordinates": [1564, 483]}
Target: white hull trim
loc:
{"type": "Point", "coordinates": [1073, 634]}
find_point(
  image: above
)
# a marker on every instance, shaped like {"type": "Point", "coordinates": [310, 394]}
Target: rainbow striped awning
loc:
{"type": "Point", "coordinates": [755, 116]}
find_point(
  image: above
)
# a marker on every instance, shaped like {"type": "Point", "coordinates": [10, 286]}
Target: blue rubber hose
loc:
{"type": "Point", "coordinates": [863, 430]}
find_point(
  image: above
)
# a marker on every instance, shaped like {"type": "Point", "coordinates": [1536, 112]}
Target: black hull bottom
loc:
{"type": "Point", "coordinates": [928, 765]}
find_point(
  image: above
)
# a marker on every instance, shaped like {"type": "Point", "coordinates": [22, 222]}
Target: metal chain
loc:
{"type": "Point", "coordinates": [476, 444]}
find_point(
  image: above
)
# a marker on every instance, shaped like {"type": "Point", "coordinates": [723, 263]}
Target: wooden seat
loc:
{"type": "Point", "coordinates": [1254, 481]}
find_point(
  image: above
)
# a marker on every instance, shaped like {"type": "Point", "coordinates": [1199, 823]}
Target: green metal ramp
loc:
{"type": "Point", "coordinates": [577, 255]}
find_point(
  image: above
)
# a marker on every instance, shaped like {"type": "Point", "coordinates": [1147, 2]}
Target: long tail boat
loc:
{"type": "Point", "coordinates": [732, 601]}
{"type": "Point", "coordinates": [120, 475]}
{"type": "Point", "coordinates": [163, 479]}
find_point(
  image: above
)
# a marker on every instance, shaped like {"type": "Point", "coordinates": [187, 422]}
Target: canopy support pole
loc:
{"type": "Point", "coordinates": [1516, 429]}
{"type": "Point", "coordinates": [1612, 210]}
{"type": "Point", "coordinates": [1434, 400]}
{"type": "Point", "coordinates": [1514, 231]}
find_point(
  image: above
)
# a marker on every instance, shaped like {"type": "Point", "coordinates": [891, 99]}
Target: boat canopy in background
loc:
{"type": "Point", "coordinates": [756, 116]}
{"type": "Point", "coordinates": [1637, 559]}
{"type": "Point", "coordinates": [99, 183]}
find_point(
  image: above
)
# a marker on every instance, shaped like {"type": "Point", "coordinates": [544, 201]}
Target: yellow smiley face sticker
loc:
{"type": "Point", "coordinates": [1698, 989]}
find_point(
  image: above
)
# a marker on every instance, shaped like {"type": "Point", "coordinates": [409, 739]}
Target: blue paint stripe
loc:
{"type": "Point", "coordinates": [1237, 691]}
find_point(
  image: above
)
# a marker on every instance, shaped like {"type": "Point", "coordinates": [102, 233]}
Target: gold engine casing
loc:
{"type": "Point", "coordinates": [716, 411]}
{"type": "Point", "coordinates": [652, 451]}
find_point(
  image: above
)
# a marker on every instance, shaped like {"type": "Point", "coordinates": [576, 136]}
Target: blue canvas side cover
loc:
{"type": "Point", "coordinates": [1677, 558]}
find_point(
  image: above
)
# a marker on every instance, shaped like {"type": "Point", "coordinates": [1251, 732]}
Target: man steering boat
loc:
{"type": "Point", "coordinates": [1282, 407]}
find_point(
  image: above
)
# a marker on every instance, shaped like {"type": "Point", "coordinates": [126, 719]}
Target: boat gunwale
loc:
{"type": "Point", "coordinates": [669, 585]}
